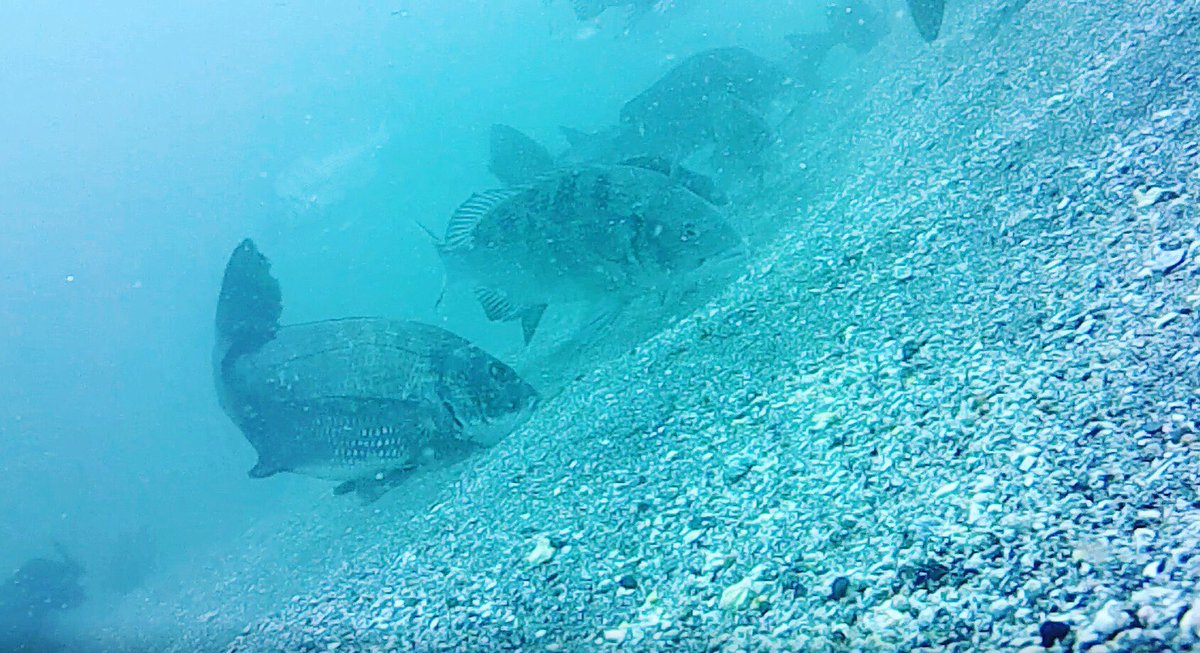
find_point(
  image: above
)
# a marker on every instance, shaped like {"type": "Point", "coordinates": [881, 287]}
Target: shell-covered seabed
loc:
{"type": "Point", "coordinates": [954, 398]}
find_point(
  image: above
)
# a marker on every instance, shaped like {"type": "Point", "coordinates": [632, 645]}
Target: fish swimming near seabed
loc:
{"type": "Point", "coordinates": [362, 401]}
{"type": "Point", "coordinates": [599, 233]}
{"type": "Point", "coordinates": [313, 185]}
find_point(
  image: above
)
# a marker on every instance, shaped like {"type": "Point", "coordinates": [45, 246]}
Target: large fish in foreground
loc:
{"type": "Point", "coordinates": [582, 233]}
{"type": "Point", "coordinates": [362, 401]}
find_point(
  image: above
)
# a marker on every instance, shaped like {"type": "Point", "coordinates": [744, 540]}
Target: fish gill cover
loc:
{"type": "Point", "coordinates": [865, 325]}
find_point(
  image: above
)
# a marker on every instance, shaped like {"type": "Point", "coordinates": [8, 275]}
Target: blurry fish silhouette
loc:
{"type": "Point", "coordinates": [362, 401]}
{"type": "Point", "coordinates": [314, 185]}
{"type": "Point", "coordinates": [31, 598]}
{"type": "Point", "coordinates": [857, 24]}
{"type": "Point", "coordinates": [600, 233]}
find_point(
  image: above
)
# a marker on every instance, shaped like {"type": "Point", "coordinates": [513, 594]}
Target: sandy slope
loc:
{"type": "Point", "coordinates": [955, 397]}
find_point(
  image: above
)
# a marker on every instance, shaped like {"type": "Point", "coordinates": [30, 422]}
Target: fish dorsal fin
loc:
{"type": "Point", "coordinates": [653, 163]}
{"type": "Point", "coordinates": [460, 232]}
{"type": "Point", "coordinates": [701, 185]}
{"type": "Point", "coordinates": [250, 302]}
{"type": "Point", "coordinates": [575, 137]}
{"type": "Point", "coordinates": [515, 158]}
{"type": "Point", "coordinates": [495, 305]}
{"type": "Point", "coordinates": [697, 183]}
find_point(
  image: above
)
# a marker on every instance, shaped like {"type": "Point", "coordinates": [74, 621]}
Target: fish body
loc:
{"type": "Point", "coordinates": [587, 232]}
{"type": "Point", "coordinates": [361, 401]}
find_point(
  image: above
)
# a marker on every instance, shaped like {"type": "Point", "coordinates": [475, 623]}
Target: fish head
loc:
{"type": "Point", "coordinates": [487, 398]}
{"type": "Point", "coordinates": [690, 242]}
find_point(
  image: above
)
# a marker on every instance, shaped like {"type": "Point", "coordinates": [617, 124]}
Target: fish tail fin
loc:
{"type": "Point", "coordinates": [515, 158]}
{"type": "Point", "coordinates": [928, 16]}
{"type": "Point", "coordinates": [250, 302]}
{"type": "Point", "coordinates": [812, 47]}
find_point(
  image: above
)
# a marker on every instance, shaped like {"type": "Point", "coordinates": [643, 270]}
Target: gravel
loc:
{"type": "Point", "coordinates": [951, 407]}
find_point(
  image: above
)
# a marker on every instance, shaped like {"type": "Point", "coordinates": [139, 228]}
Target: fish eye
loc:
{"type": "Point", "coordinates": [688, 232]}
{"type": "Point", "coordinates": [496, 370]}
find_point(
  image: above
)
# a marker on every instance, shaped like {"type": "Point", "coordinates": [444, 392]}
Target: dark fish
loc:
{"type": "Point", "coordinates": [927, 14]}
{"type": "Point", "coordinates": [359, 400]}
{"type": "Point", "coordinates": [600, 233]}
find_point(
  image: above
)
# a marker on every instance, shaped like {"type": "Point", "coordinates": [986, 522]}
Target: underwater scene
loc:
{"type": "Point", "coordinates": [707, 326]}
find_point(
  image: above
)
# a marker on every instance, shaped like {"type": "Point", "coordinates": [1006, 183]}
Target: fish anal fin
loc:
{"type": "Point", "coordinates": [495, 305]}
{"type": "Point", "coordinates": [530, 318]}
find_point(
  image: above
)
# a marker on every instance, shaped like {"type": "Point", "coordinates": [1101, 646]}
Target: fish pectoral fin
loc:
{"type": "Point", "coordinates": [370, 488]}
{"type": "Point", "coordinates": [530, 318]}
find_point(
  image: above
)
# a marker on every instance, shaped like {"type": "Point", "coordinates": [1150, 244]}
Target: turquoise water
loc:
{"type": "Point", "coordinates": [140, 142]}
